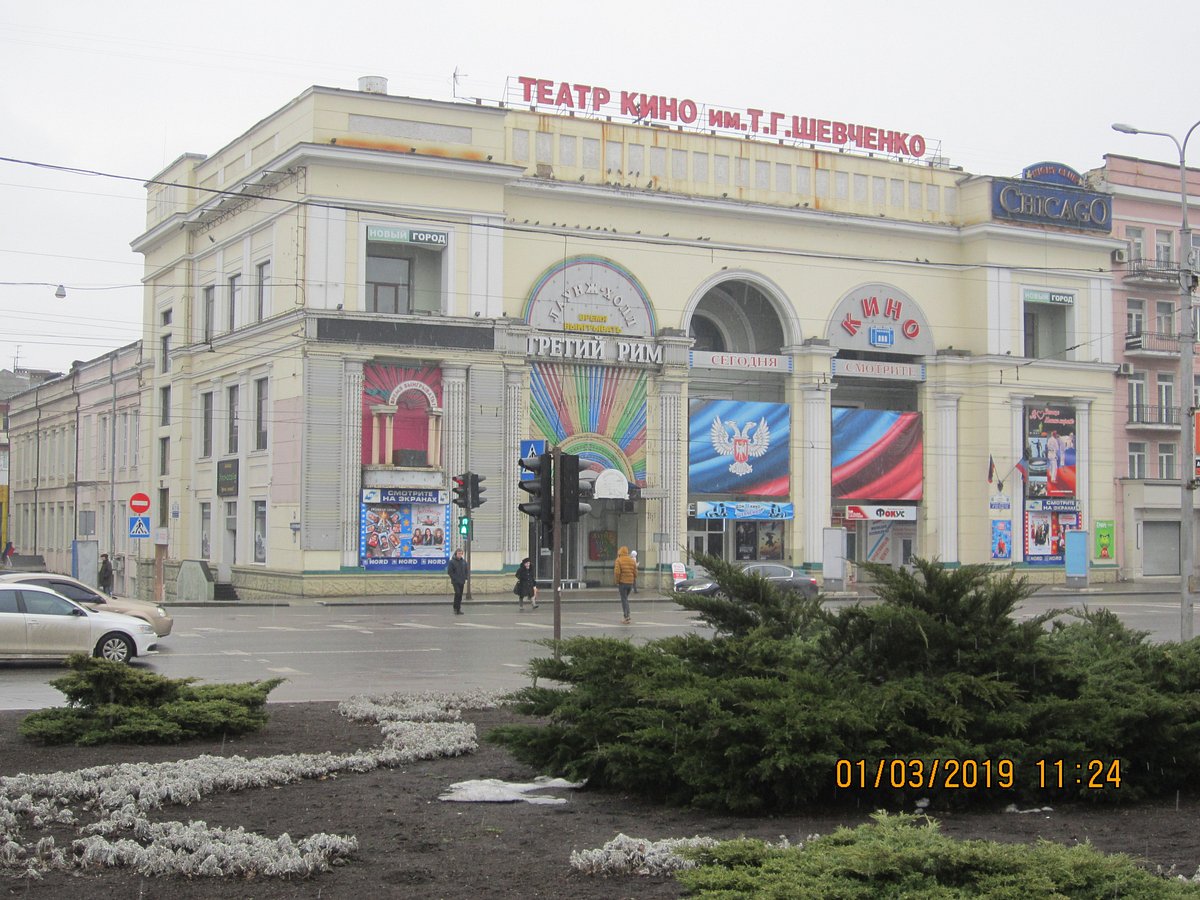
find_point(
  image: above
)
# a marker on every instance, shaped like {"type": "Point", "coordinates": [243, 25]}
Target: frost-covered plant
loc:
{"type": "Point", "coordinates": [118, 797]}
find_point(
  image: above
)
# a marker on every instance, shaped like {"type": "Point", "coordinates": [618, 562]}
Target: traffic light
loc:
{"type": "Point", "coordinates": [477, 492]}
{"type": "Point", "coordinates": [569, 487]}
{"type": "Point", "coordinates": [462, 490]}
{"type": "Point", "coordinates": [540, 488]}
{"type": "Point", "coordinates": [464, 526]}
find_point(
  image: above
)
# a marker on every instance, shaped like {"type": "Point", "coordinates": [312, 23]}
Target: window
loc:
{"type": "Point", "coordinates": [1137, 398]}
{"type": "Point", "coordinates": [1137, 459]}
{"type": "Point", "coordinates": [1166, 461]}
{"type": "Point", "coordinates": [102, 448]}
{"type": "Point", "coordinates": [1135, 316]}
{"type": "Point", "coordinates": [209, 313]}
{"type": "Point", "coordinates": [135, 437]}
{"type": "Point", "coordinates": [1164, 317]}
{"type": "Point", "coordinates": [260, 414]}
{"type": "Point", "coordinates": [1162, 248]}
{"type": "Point", "coordinates": [262, 287]}
{"type": "Point", "coordinates": [125, 439]}
{"type": "Point", "coordinates": [260, 531]}
{"type": "Point", "coordinates": [1166, 399]}
{"type": "Point", "coordinates": [403, 278]}
{"type": "Point", "coordinates": [164, 507]}
{"type": "Point", "coordinates": [164, 405]}
{"type": "Point", "coordinates": [235, 297]}
{"type": "Point", "coordinates": [232, 420]}
{"type": "Point", "coordinates": [1136, 243]}
{"type": "Point", "coordinates": [205, 530]}
{"type": "Point", "coordinates": [164, 456]}
{"type": "Point", "coordinates": [165, 350]}
{"type": "Point", "coordinates": [206, 424]}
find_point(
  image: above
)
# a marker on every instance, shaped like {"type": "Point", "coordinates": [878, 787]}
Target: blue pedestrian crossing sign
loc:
{"type": "Point", "coordinates": [139, 526]}
{"type": "Point", "coordinates": [531, 450]}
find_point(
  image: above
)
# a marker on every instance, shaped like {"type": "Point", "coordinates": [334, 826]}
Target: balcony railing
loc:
{"type": "Point", "coordinates": [1153, 416]}
{"type": "Point", "coordinates": [1152, 342]}
{"type": "Point", "coordinates": [1152, 272]}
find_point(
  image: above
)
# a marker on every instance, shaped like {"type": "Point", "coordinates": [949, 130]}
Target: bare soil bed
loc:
{"type": "Point", "coordinates": [413, 845]}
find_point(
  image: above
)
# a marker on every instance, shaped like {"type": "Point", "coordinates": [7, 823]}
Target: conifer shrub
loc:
{"type": "Point", "coordinates": [111, 703]}
{"type": "Point", "coordinates": [763, 714]}
{"type": "Point", "coordinates": [908, 856]}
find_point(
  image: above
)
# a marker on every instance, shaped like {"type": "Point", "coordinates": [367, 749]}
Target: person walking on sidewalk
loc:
{"type": "Point", "coordinates": [625, 572]}
{"type": "Point", "coordinates": [633, 553]}
{"type": "Point", "coordinates": [105, 575]}
{"type": "Point", "coordinates": [526, 585]}
{"type": "Point", "coordinates": [458, 570]}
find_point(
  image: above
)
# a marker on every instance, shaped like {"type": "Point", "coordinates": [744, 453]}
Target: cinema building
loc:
{"type": "Point", "coordinates": [768, 336]}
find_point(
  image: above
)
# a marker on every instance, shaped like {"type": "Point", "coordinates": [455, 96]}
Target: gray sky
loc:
{"type": "Point", "coordinates": [124, 88]}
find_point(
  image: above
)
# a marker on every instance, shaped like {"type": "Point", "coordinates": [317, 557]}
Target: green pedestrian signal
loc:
{"type": "Point", "coordinates": [464, 526]}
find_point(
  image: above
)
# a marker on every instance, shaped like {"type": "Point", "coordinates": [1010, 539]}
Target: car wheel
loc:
{"type": "Point", "coordinates": [115, 648]}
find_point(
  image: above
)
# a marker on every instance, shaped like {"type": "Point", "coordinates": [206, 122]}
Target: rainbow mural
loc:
{"type": "Point", "coordinates": [596, 412]}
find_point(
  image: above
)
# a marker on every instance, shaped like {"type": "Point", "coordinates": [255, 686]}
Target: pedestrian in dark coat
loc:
{"type": "Point", "coordinates": [459, 571]}
{"type": "Point", "coordinates": [105, 579]}
{"type": "Point", "coordinates": [526, 586]}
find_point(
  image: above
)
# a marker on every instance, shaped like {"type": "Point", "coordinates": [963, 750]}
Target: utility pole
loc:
{"type": "Point", "coordinates": [556, 549]}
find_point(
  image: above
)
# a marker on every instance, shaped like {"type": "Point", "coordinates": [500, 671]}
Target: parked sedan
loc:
{"type": "Point", "coordinates": [37, 623]}
{"type": "Point", "coordinates": [74, 589]}
{"type": "Point", "coordinates": [783, 577]}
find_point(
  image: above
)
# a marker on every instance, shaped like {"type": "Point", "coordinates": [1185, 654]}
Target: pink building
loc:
{"type": "Point", "coordinates": [1146, 328]}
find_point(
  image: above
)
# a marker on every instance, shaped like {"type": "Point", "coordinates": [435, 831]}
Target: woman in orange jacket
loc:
{"type": "Point", "coordinates": [625, 572]}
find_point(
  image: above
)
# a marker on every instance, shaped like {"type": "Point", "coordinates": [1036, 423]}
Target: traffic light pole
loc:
{"type": "Point", "coordinates": [556, 551]}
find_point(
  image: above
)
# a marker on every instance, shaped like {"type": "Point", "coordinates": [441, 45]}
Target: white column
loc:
{"type": "Point", "coordinates": [1083, 493]}
{"type": "Point", "coordinates": [516, 524]}
{"type": "Point", "coordinates": [672, 464]}
{"type": "Point", "coordinates": [945, 459]}
{"type": "Point", "coordinates": [454, 422]}
{"type": "Point", "coordinates": [817, 460]}
{"type": "Point", "coordinates": [352, 427]}
{"type": "Point", "coordinates": [1016, 403]}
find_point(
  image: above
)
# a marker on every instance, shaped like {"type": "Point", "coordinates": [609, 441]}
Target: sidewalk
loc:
{"type": "Point", "coordinates": [1143, 587]}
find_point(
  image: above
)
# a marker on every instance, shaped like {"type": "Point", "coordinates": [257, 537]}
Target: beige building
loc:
{"type": "Point", "coordinates": [750, 343]}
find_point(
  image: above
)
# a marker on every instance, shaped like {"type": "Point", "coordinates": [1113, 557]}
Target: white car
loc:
{"type": "Point", "coordinates": [74, 589]}
{"type": "Point", "coordinates": [37, 623]}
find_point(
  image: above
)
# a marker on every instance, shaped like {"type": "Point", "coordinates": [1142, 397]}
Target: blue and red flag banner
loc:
{"type": "Point", "coordinates": [878, 454]}
{"type": "Point", "coordinates": [737, 447]}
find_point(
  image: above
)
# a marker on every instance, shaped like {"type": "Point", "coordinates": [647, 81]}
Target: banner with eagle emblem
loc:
{"type": "Point", "coordinates": [737, 447]}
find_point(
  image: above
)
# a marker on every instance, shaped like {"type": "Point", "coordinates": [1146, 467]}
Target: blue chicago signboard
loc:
{"type": "Point", "coordinates": [1047, 204]}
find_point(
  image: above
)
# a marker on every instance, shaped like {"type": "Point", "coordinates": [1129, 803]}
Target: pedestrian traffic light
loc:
{"type": "Point", "coordinates": [477, 492]}
{"type": "Point", "coordinates": [462, 490]}
{"type": "Point", "coordinates": [540, 488]}
{"type": "Point", "coordinates": [464, 526]}
{"type": "Point", "coordinates": [569, 488]}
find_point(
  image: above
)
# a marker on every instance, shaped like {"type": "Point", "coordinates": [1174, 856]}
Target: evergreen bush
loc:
{"type": "Point", "coordinates": [907, 856]}
{"type": "Point", "coordinates": [757, 716]}
{"type": "Point", "coordinates": [111, 702]}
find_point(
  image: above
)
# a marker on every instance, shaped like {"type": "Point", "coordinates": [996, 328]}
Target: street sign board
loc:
{"type": "Point", "coordinates": [139, 527]}
{"type": "Point", "coordinates": [139, 503]}
{"type": "Point", "coordinates": [531, 450]}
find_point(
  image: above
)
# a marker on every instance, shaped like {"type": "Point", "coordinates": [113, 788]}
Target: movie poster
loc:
{"type": "Point", "coordinates": [1050, 450]}
{"type": "Point", "coordinates": [404, 529]}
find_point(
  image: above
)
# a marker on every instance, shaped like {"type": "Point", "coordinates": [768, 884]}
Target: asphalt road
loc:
{"type": "Point", "coordinates": [333, 651]}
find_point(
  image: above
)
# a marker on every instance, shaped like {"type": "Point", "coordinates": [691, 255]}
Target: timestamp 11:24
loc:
{"type": "Point", "coordinates": [1094, 774]}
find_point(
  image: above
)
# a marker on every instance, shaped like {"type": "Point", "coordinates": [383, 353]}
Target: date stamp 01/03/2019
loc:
{"type": "Point", "coordinates": [974, 774]}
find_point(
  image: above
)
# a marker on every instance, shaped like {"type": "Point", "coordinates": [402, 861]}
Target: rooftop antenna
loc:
{"type": "Point", "coordinates": [454, 78]}
{"type": "Point", "coordinates": [17, 358]}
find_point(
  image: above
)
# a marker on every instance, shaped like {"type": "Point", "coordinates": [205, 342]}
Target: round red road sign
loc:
{"type": "Point", "coordinates": [139, 503]}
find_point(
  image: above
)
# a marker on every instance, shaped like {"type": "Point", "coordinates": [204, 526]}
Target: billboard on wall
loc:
{"type": "Point", "coordinates": [878, 454]}
{"type": "Point", "coordinates": [737, 447]}
{"type": "Point", "coordinates": [1049, 450]}
{"type": "Point", "coordinates": [404, 529]}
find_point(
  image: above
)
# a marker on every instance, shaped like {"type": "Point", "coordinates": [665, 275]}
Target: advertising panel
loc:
{"type": "Point", "coordinates": [404, 529]}
{"type": "Point", "coordinates": [737, 447]}
{"type": "Point", "coordinates": [1001, 539]}
{"type": "Point", "coordinates": [878, 454]}
{"type": "Point", "coordinates": [1049, 450]}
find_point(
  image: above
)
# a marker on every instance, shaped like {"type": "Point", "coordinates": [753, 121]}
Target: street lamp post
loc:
{"type": "Point", "coordinates": [1187, 390]}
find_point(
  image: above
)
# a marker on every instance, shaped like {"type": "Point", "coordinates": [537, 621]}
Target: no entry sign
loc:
{"type": "Point", "coordinates": [139, 503]}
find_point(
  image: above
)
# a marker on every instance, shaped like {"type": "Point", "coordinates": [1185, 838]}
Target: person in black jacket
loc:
{"type": "Point", "coordinates": [526, 584]}
{"type": "Point", "coordinates": [458, 570]}
{"type": "Point", "coordinates": [105, 578]}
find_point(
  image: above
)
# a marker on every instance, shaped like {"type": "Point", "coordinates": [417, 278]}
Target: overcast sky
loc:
{"type": "Point", "coordinates": [125, 88]}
